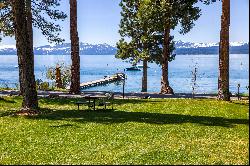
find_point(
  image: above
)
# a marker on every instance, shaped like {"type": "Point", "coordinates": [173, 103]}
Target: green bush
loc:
{"type": "Point", "coordinates": [65, 74]}
{"type": "Point", "coordinates": [44, 86]}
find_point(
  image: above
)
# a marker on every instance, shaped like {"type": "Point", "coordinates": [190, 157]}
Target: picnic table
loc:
{"type": "Point", "coordinates": [92, 100]}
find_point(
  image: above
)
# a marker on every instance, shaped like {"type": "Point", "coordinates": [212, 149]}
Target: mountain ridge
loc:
{"type": "Point", "coordinates": [106, 49]}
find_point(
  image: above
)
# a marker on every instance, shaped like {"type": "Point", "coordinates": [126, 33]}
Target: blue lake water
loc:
{"type": "Point", "coordinates": [180, 72]}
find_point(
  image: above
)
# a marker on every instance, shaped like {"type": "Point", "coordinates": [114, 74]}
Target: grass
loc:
{"type": "Point", "coordinates": [244, 94]}
{"type": "Point", "coordinates": [7, 88]}
{"type": "Point", "coordinates": [48, 89]}
{"type": "Point", "coordinates": [146, 131]}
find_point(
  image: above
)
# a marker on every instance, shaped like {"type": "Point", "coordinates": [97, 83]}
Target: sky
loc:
{"type": "Point", "coordinates": [98, 22]}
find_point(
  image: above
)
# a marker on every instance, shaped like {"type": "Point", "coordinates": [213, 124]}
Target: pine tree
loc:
{"type": "Point", "coordinates": [147, 23]}
{"type": "Point", "coordinates": [166, 15]}
{"type": "Point", "coordinates": [17, 19]}
{"type": "Point", "coordinates": [75, 68]}
{"type": "Point", "coordinates": [39, 9]}
{"type": "Point", "coordinates": [223, 81]}
{"type": "Point", "coordinates": [24, 44]}
{"type": "Point", "coordinates": [140, 39]}
{"type": "Point", "coordinates": [48, 28]}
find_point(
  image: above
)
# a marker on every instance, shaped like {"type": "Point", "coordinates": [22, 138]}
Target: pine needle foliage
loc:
{"type": "Point", "coordinates": [44, 15]}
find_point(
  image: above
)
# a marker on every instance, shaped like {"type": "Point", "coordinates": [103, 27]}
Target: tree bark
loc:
{"type": "Point", "coordinates": [144, 77]}
{"type": "Point", "coordinates": [75, 68]}
{"type": "Point", "coordinates": [24, 45]}
{"type": "Point", "coordinates": [20, 63]}
{"type": "Point", "coordinates": [58, 77]}
{"type": "Point", "coordinates": [165, 87]}
{"type": "Point", "coordinates": [20, 66]}
{"type": "Point", "coordinates": [223, 80]}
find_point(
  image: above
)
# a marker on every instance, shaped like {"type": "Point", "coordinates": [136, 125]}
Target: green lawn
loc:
{"type": "Point", "coordinates": [147, 131]}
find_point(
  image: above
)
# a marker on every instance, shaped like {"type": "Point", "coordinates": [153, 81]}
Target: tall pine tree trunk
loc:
{"type": "Point", "coordinates": [20, 66]}
{"type": "Point", "coordinates": [165, 87]}
{"type": "Point", "coordinates": [145, 77]}
{"type": "Point", "coordinates": [19, 58]}
{"type": "Point", "coordinates": [24, 45]}
{"type": "Point", "coordinates": [223, 81]}
{"type": "Point", "coordinates": [75, 68]}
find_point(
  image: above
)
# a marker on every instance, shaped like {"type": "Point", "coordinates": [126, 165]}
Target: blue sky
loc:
{"type": "Point", "coordinates": [98, 22]}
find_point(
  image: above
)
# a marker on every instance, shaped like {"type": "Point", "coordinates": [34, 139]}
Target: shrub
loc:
{"type": "Point", "coordinates": [64, 71]}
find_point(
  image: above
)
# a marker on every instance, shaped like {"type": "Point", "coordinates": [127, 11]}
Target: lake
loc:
{"type": "Point", "coordinates": [180, 72]}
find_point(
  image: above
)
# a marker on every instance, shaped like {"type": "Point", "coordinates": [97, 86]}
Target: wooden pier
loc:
{"type": "Point", "coordinates": [105, 80]}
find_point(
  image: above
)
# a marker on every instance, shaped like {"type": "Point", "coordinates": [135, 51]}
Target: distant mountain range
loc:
{"type": "Point", "coordinates": [106, 49]}
{"type": "Point", "coordinates": [209, 48]}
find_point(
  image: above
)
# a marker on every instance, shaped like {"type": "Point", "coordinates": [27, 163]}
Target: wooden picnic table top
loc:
{"type": "Point", "coordinates": [94, 96]}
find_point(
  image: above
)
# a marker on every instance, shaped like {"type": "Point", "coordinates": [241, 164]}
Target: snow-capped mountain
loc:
{"type": "Point", "coordinates": [7, 49]}
{"type": "Point", "coordinates": [209, 48]}
{"type": "Point", "coordinates": [85, 49]}
{"type": "Point", "coordinates": [106, 49]}
{"type": "Point", "coordinates": [181, 44]}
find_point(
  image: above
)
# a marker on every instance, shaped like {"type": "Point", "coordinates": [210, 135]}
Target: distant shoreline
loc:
{"type": "Point", "coordinates": [182, 48]}
{"type": "Point", "coordinates": [114, 54]}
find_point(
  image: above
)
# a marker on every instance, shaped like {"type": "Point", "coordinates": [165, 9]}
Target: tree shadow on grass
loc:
{"type": "Point", "coordinates": [6, 101]}
{"type": "Point", "coordinates": [72, 101]}
{"type": "Point", "coordinates": [117, 116]}
{"type": "Point", "coordinates": [3, 112]}
{"type": "Point", "coordinates": [67, 101]}
{"type": "Point", "coordinates": [58, 101]}
{"type": "Point", "coordinates": [241, 103]}
{"type": "Point", "coordinates": [6, 113]}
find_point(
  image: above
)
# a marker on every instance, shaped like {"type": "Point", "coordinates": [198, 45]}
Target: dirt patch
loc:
{"type": "Point", "coordinates": [27, 112]}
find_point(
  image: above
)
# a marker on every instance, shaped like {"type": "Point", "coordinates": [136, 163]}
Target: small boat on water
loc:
{"type": "Point", "coordinates": [140, 66]}
{"type": "Point", "coordinates": [133, 68]}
